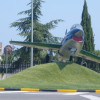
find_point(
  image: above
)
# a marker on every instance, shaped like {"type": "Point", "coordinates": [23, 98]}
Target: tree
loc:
{"type": "Point", "coordinates": [86, 23]}
{"type": "Point", "coordinates": [97, 52]}
{"type": "Point", "coordinates": [10, 59]}
{"type": "Point", "coordinates": [41, 31]}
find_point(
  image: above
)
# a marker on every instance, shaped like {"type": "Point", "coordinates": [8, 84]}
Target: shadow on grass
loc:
{"type": "Point", "coordinates": [61, 65]}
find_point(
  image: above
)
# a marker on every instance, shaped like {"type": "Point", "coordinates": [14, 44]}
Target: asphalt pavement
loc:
{"type": "Point", "coordinates": [20, 95]}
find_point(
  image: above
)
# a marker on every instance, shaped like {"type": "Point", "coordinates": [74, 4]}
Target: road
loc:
{"type": "Point", "coordinates": [17, 95]}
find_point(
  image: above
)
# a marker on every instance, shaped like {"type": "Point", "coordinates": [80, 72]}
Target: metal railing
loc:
{"type": "Point", "coordinates": [13, 68]}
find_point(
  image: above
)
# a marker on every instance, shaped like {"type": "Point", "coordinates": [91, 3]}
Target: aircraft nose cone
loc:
{"type": "Point", "coordinates": [78, 34]}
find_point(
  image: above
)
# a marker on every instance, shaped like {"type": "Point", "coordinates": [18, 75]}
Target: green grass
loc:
{"type": "Point", "coordinates": [54, 76]}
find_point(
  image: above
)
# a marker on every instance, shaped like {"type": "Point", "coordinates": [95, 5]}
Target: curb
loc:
{"type": "Point", "coordinates": [48, 90]}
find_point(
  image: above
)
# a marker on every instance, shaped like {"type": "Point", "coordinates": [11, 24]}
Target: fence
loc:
{"type": "Point", "coordinates": [13, 68]}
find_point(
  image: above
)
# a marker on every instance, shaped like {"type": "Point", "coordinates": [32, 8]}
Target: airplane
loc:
{"type": "Point", "coordinates": [70, 46]}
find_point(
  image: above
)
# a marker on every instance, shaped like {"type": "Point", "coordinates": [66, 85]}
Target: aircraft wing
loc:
{"type": "Point", "coordinates": [89, 56]}
{"type": "Point", "coordinates": [44, 46]}
{"type": "Point", "coordinates": [55, 47]}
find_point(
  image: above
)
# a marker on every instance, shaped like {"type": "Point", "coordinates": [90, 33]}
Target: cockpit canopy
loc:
{"type": "Point", "coordinates": [78, 26]}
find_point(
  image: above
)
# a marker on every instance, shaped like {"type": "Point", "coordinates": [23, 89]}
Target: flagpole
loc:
{"type": "Point", "coordinates": [32, 35]}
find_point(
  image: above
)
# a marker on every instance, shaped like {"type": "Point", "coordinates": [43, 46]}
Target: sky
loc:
{"type": "Point", "coordinates": [68, 10]}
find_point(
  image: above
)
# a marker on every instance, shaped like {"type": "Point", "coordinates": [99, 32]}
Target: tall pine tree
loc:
{"type": "Point", "coordinates": [41, 31]}
{"type": "Point", "coordinates": [86, 23]}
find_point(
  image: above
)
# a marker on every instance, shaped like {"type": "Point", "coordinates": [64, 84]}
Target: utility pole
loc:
{"type": "Point", "coordinates": [32, 36]}
{"type": "Point", "coordinates": [7, 51]}
{"type": "Point", "coordinates": [6, 62]}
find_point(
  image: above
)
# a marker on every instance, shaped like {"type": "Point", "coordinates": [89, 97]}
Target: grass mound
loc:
{"type": "Point", "coordinates": [54, 76]}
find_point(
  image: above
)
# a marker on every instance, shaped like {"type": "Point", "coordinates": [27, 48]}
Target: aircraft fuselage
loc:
{"type": "Point", "coordinates": [73, 42]}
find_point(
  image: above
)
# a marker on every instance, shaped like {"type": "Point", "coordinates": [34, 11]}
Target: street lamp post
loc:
{"type": "Point", "coordinates": [32, 36]}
